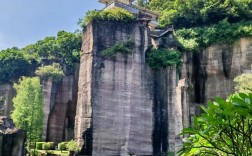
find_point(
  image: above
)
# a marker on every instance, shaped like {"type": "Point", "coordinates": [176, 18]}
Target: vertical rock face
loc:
{"type": "Point", "coordinates": [210, 73]}
{"type": "Point", "coordinates": [11, 138]}
{"type": "Point", "coordinates": [7, 93]}
{"type": "Point", "coordinates": [60, 100]}
{"type": "Point", "coordinates": [123, 106]}
{"type": "Point", "coordinates": [214, 69]}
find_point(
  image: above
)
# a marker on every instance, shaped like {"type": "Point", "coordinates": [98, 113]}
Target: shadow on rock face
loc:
{"type": "Point", "coordinates": [11, 138]}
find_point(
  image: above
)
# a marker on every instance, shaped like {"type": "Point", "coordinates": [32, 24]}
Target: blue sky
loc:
{"type": "Point", "coordinates": [23, 22]}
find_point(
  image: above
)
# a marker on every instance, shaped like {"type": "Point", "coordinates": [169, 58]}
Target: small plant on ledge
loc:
{"type": "Point", "coordinates": [161, 58]}
{"type": "Point", "coordinates": [124, 47]}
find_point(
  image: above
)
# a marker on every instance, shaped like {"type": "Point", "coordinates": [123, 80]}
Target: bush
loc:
{"type": "Point", "coordinates": [62, 146]}
{"type": "Point", "coordinates": [39, 145]}
{"type": "Point", "coordinates": [34, 152]}
{"type": "Point", "coordinates": [31, 145]}
{"type": "Point", "coordinates": [53, 71]}
{"type": "Point", "coordinates": [72, 146]}
{"type": "Point", "coordinates": [45, 146]}
{"type": "Point", "coordinates": [116, 14]}
{"type": "Point", "coordinates": [161, 58]}
{"type": "Point", "coordinates": [121, 47]}
{"type": "Point", "coordinates": [51, 145]}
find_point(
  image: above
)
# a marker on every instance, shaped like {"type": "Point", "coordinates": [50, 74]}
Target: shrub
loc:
{"type": "Point", "coordinates": [116, 14]}
{"type": "Point", "coordinates": [39, 145]}
{"type": "Point", "coordinates": [51, 145]}
{"type": "Point", "coordinates": [121, 47]}
{"type": "Point", "coordinates": [53, 71]}
{"type": "Point", "coordinates": [34, 152]}
{"type": "Point", "coordinates": [62, 146]}
{"type": "Point", "coordinates": [72, 146]}
{"type": "Point", "coordinates": [45, 146]}
{"type": "Point", "coordinates": [31, 145]}
{"type": "Point", "coordinates": [161, 58]}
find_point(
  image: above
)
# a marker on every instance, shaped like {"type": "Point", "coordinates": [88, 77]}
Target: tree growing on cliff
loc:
{"type": "Point", "coordinates": [225, 128]}
{"type": "Point", "coordinates": [28, 111]}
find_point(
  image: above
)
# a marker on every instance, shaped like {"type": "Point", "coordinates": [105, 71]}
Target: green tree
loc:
{"type": "Point", "coordinates": [188, 13]}
{"type": "Point", "coordinates": [65, 48]}
{"type": "Point", "coordinates": [244, 83]}
{"type": "Point", "coordinates": [28, 111]}
{"type": "Point", "coordinates": [13, 64]}
{"type": "Point", "coordinates": [225, 128]}
{"type": "Point", "coordinates": [53, 71]}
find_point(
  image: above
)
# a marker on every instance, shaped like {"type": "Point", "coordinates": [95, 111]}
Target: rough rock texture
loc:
{"type": "Point", "coordinates": [211, 72]}
{"type": "Point", "coordinates": [11, 138]}
{"type": "Point", "coordinates": [126, 108]}
{"type": "Point", "coordinates": [7, 92]}
{"type": "Point", "coordinates": [60, 100]}
{"type": "Point", "coordinates": [123, 106]}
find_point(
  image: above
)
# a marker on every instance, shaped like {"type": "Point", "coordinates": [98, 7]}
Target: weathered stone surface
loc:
{"type": "Point", "coordinates": [126, 108]}
{"type": "Point", "coordinates": [7, 93]}
{"type": "Point", "coordinates": [11, 138]}
{"type": "Point", "coordinates": [211, 72]}
{"type": "Point", "coordinates": [60, 100]}
{"type": "Point", "coordinates": [123, 106]}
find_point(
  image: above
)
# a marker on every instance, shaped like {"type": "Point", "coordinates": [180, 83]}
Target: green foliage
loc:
{"type": "Point", "coordinates": [161, 58]}
{"type": "Point", "coordinates": [51, 145]}
{"type": "Point", "coordinates": [13, 64]}
{"type": "Point", "coordinates": [225, 128]}
{"type": "Point", "coordinates": [244, 83]}
{"type": "Point", "coordinates": [193, 39]}
{"type": "Point", "coordinates": [46, 146]}
{"type": "Point", "coordinates": [53, 71]}
{"type": "Point", "coordinates": [64, 48]}
{"type": "Point", "coordinates": [191, 13]}
{"type": "Point", "coordinates": [62, 146]}
{"type": "Point", "coordinates": [33, 152]}
{"type": "Point", "coordinates": [72, 146]}
{"type": "Point", "coordinates": [115, 14]}
{"type": "Point", "coordinates": [121, 47]}
{"type": "Point", "coordinates": [28, 103]}
{"type": "Point", "coordinates": [39, 145]}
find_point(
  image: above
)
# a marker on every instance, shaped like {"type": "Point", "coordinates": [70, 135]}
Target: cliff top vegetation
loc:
{"type": "Point", "coordinates": [63, 49]}
{"type": "Point", "coordinates": [200, 23]}
{"type": "Point", "coordinates": [195, 13]}
{"type": "Point", "coordinates": [115, 14]}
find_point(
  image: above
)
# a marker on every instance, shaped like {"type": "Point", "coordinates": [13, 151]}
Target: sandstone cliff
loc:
{"type": "Point", "coordinates": [60, 100]}
{"type": "Point", "coordinates": [124, 107]}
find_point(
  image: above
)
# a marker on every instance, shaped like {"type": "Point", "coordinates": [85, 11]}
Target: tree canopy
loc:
{"type": "Point", "coordinates": [28, 107]}
{"type": "Point", "coordinates": [13, 64]}
{"type": "Point", "coordinates": [65, 48]}
{"type": "Point", "coordinates": [188, 13]}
